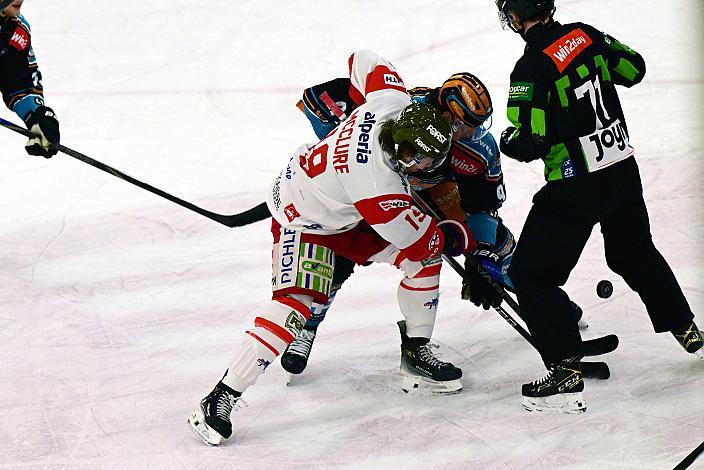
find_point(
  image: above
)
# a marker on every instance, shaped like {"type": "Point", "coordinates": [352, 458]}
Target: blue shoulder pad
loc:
{"type": "Point", "coordinates": [487, 149]}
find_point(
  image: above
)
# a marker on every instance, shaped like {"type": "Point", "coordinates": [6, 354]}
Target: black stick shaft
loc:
{"type": "Point", "coordinates": [227, 220]}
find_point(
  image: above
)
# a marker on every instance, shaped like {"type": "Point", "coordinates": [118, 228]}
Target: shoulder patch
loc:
{"type": "Point", "coordinates": [567, 48]}
{"type": "Point", "coordinates": [19, 39]}
{"type": "Point", "coordinates": [520, 91]}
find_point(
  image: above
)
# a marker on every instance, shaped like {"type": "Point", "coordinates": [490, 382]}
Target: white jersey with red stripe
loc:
{"type": "Point", "coordinates": [331, 186]}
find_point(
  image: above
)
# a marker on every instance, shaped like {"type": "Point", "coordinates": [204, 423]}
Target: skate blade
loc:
{"type": "Point", "coordinates": [207, 434]}
{"type": "Point", "coordinates": [570, 403]}
{"type": "Point", "coordinates": [415, 385]}
{"type": "Point", "coordinates": [289, 377]}
{"type": "Point", "coordinates": [700, 353]}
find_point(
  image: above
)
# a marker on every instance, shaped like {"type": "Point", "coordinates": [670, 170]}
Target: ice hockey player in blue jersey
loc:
{"type": "Point", "coordinates": [21, 81]}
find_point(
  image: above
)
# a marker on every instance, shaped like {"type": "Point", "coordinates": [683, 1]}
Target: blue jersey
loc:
{"type": "Point", "coordinates": [20, 80]}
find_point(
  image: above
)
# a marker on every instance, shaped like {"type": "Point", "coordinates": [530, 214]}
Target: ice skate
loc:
{"type": "Point", "coordinates": [211, 421]}
{"type": "Point", "coordinates": [423, 372]}
{"type": "Point", "coordinates": [295, 357]}
{"type": "Point", "coordinates": [560, 391]}
{"type": "Point", "coordinates": [691, 339]}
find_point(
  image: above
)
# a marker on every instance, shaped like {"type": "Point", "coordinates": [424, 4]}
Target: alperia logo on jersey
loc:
{"type": "Point", "coordinates": [520, 91]}
{"type": "Point", "coordinates": [564, 50]}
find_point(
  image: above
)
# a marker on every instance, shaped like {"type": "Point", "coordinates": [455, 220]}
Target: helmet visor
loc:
{"type": "Point", "coordinates": [428, 164]}
{"type": "Point", "coordinates": [480, 131]}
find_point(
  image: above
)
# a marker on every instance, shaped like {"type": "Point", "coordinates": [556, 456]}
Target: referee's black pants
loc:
{"type": "Point", "coordinates": [553, 237]}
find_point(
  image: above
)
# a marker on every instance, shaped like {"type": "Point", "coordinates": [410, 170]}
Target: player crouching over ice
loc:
{"type": "Point", "coordinates": [348, 195]}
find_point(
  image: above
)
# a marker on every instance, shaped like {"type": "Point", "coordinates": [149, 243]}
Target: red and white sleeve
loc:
{"type": "Point", "coordinates": [370, 73]}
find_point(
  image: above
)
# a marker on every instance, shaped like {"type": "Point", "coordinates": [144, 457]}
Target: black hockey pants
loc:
{"type": "Point", "coordinates": [553, 237]}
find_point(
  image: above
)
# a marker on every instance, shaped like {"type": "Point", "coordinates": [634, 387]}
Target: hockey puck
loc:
{"type": "Point", "coordinates": [604, 289]}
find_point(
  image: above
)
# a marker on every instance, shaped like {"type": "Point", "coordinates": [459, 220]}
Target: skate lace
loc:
{"type": "Point", "coordinates": [426, 355]}
{"type": "Point", "coordinates": [303, 343]}
{"type": "Point", "coordinates": [544, 380]}
{"type": "Point", "coordinates": [226, 402]}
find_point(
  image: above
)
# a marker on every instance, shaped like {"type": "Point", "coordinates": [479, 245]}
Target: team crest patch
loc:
{"type": "Point", "coordinates": [294, 322]}
{"type": "Point", "coordinates": [291, 212]}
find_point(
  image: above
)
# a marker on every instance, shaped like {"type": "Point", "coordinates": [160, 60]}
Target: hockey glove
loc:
{"type": "Point", "coordinates": [477, 289]}
{"type": "Point", "coordinates": [43, 124]}
{"type": "Point", "coordinates": [458, 238]}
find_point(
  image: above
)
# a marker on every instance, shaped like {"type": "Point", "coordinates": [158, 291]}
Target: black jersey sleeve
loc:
{"type": "Point", "coordinates": [527, 105]}
{"type": "Point", "coordinates": [627, 67]}
{"type": "Point", "coordinates": [20, 80]}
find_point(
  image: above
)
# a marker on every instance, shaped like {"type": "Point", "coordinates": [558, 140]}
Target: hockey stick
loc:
{"type": "Point", "coordinates": [594, 347]}
{"type": "Point", "coordinates": [689, 460]}
{"type": "Point", "coordinates": [243, 218]}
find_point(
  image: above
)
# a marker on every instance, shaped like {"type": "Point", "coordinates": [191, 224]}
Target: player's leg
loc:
{"type": "Point", "coordinates": [302, 273]}
{"type": "Point", "coordinates": [631, 253]}
{"type": "Point", "coordinates": [418, 295]}
{"type": "Point", "coordinates": [553, 237]}
{"type": "Point", "coordinates": [294, 360]}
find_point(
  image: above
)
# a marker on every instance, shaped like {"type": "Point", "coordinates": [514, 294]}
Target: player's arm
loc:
{"type": "Point", "coordinates": [327, 104]}
{"type": "Point", "coordinates": [22, 91]}
{"type": "Point", "coordinates": [369, 74]}
{"type": "Point", "coordinates": [627, 67]}
{"type": "Point", "coordinates": [525, 139]}
{"type": "Point", "coordinates": [476, 166]}
{"type": "Point", "coordinates": [20, 80]}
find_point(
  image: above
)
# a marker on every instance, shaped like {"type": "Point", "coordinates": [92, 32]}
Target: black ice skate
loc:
{"type": "Point", "coordinates": [422, 370]}
{"type": "Point", "coordinates": [691, 340]}
{"type": "Point", "coordinates": [560, 391]}
{"type": "Point", "coordinates": [295, 357]}
{"type": "Point", "coordinates": [211, 422]}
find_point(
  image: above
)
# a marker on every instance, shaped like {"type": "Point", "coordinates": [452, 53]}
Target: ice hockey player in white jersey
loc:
{"type": "Point", "coordinates": [348, 195]}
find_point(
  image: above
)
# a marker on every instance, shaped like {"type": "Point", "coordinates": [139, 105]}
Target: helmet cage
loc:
{"type": "Point", "coordinates": [512, 11]}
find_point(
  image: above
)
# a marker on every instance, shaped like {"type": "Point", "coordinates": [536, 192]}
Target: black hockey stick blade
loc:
{"type": "Point", "coordinates": [600, 345]}
{"type": "Point", "coordinates": [689, 460]}
{"type": "Point", "coordinates": [255, 214]}
{"type": "Point", "coordinates": [236, 220]}
{"type": "Point", "coordinates": [595, 370]}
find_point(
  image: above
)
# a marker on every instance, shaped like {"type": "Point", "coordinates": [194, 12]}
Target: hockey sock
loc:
{"type": "Point", "coordinates": [418, 301]}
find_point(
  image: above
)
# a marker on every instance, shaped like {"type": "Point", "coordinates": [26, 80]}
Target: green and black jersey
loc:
{"type": "Point", "coordinates": [563, 99]}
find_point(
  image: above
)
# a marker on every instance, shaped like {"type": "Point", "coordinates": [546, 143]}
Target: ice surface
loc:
{"type": "Point", "coordinates": [119, 309]}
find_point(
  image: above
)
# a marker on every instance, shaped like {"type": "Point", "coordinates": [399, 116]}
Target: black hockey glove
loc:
{"type": "Point", "coordinates": [43, 124]}
{"type": "Point", "coordinates": [477, 289]}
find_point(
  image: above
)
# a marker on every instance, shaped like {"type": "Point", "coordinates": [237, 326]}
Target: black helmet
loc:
{"type": "Point", "coordinates": [4, 4]}
{"type": "Point", "coordinates": [523, 10]}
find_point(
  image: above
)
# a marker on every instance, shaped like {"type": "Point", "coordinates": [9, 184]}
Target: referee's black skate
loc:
{"type": "Point", "coordinates": [295, 357]}
{"type": "Point", "coordinates": [691, 339]}
{"type": "Point", "coordinates": [211, 422]}
{"type": "Point", "coordinates": [422, 370]}
{"type": "Point", "coordinates": [560, 391]}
